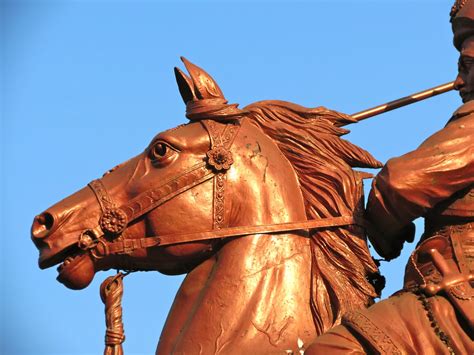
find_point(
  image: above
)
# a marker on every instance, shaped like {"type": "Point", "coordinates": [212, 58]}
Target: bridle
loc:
{"type": "Point", "coordinates": [115, 219]}
{"type": "Point", "coordinates": [205, 103]}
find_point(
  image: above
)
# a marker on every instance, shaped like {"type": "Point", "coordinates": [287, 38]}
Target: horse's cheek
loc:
{"type": "Point", "coordinates": [188, 212]}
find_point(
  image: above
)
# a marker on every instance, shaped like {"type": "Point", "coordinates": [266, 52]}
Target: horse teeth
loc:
{"type": "Point", "coordinates": [67, 261]}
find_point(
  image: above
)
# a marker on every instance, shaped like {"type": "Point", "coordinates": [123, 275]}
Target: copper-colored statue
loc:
{"type": "Point", "coordinates": [260, 206]}
{"type": "Point", "coordinates": [434, 313]}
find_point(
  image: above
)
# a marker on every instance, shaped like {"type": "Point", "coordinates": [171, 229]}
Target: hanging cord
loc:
{"type": "Point", "coordinates": [111, 291]}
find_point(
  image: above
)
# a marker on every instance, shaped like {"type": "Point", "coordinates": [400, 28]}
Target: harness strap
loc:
{"type": "Point", "coordinates": [149, 200]}
{"type": "Point", "coordinates": [129, 245]}
{"type": "Point", "coordinates": [220, 158]}
{"type": "Point", "coordinates": [114, 220]}
{"type": "Point", "coordinates": [100, 192]}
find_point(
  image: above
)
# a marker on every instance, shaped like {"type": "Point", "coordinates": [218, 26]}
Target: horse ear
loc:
{"type": "Point", "coordinates": [204, 85]}
{"type": "Point", "coordinates": [185, 86]}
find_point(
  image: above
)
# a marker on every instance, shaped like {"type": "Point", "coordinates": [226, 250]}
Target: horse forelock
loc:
{"type": "Point", "coordinates": [311, 141]}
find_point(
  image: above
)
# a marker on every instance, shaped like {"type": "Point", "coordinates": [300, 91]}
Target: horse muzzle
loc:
{"type": "Point", "coordinates": [56, 231]}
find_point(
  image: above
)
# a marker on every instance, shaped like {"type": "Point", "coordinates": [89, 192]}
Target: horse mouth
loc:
{"type": "Point", "coordinates": [76, 267]}
{"type": "Point", "coordinates": [70, 262]}
{"type": "Point", "coordinates": [63, 257]}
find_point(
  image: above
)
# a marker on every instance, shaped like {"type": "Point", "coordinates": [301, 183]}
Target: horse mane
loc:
{"type": "Point", "coordinates": [342, 270]}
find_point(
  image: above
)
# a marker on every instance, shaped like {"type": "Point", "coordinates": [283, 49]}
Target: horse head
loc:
{"type": "Point", "coordinates": [259, 206]}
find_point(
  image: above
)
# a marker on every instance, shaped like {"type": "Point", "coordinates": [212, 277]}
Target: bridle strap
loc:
{"type": "Point", "coordinates": [129, 245]}
{"type": "Point", "coordinates": [100, 192]}
{"type": "Point", "coordinates": [150, 199]}
{"type": "Point", "coordinates": [220, 157]}
{"type": "Point", "coordinates": [114, 220]}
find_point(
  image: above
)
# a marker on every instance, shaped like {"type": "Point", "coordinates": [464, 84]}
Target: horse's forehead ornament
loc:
{"type": "Point", "coordinates": [206, 103]}
{"type": "Point", "coordinates": [203, 97]}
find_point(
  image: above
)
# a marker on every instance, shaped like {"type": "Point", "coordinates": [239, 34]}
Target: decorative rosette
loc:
{"type": "Point", "coordinates": [113, 221]}
{"type": "Point", "coordinates": [220, 158]}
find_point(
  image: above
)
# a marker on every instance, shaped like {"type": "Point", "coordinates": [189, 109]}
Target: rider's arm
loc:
{"type": "Point", "coordinates": [409, 186]}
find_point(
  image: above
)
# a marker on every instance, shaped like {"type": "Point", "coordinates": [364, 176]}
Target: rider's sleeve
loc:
{"type": "Point", "coordinates": [409, 186]}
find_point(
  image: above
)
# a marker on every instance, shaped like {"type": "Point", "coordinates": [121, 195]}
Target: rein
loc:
{"type": "Point", "coordinates": [128, 245]}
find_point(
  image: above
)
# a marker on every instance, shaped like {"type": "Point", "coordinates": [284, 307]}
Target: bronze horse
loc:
{"type": "Point", "coordinates": [261, 207]}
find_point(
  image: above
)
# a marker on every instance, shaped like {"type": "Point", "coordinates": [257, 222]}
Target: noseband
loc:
{"type": "Point", "coordinates": [115, 219]}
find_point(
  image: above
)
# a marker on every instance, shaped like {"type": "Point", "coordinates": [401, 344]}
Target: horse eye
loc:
{"type": "Point", "coordinates": [160, 152]}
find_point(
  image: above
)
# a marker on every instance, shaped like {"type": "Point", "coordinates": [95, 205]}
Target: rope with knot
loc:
{"type": "Point", "coordinates": [111, 291]}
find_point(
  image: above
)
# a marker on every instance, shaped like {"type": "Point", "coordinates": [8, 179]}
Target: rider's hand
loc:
{"type": "Point", "coordinates": [389, 245]}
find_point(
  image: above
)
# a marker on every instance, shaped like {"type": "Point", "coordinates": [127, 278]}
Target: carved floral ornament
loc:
{"type": "Point", "coordinates": [113, 221]}
{"type": "Point", "coordinates": [220, 158]}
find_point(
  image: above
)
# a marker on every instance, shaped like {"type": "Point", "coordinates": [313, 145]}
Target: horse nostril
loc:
{"type": "Point", "coordinates": [42, 225]}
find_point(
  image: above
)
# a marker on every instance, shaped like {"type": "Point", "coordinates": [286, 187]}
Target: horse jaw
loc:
{"type": "Point", "coordinates": [76, 272]}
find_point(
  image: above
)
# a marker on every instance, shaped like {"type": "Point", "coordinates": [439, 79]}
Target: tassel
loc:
{"type": "Point", "coordinates": [111, 292]}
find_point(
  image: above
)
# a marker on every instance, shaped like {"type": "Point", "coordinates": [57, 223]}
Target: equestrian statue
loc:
{"type": "Point", "coordinates": [259, 206]}
{"type": "Point", "coordinates": [263, 209]}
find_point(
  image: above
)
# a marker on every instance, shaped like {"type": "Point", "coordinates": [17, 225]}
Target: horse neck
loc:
{"type": "Point", "coordinates": [255, 292]}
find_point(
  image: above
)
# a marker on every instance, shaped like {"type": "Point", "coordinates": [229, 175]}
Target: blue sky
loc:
{"type": "Point", "coordinates": [87, 84]}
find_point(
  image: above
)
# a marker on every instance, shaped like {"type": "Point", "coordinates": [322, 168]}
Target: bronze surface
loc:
{"type": "Point", "coordinates": [275, 168]}
{"type": "Point", "coordinates": [261, 207]}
